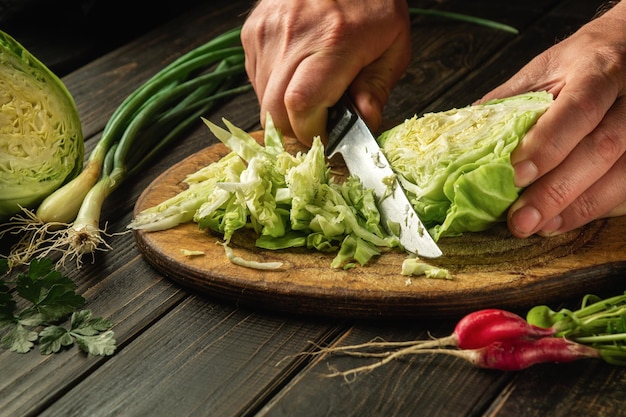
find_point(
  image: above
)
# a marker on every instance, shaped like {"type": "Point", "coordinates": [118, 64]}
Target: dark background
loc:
{"type": "Point", "coordinates": [65, 34]}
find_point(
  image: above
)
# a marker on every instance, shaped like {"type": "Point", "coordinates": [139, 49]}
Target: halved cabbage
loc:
{"type": "Point", "coordinates": [41, 140]}
{"type": "Point", "coordinates": [455, 165]}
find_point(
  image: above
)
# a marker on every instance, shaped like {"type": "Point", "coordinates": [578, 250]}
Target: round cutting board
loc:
{"type": "Point", "coordinates": [489, 269]}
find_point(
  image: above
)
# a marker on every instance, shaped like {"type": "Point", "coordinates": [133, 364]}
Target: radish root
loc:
{"type": "Point", "coordinates": [389, 356]}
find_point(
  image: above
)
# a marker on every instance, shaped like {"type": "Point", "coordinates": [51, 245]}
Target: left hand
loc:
{"type": "Point", "coordinates": [573, 160]}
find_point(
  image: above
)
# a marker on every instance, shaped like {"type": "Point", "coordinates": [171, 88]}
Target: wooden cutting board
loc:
{"type": "Point", "coordinates": [489, 269]}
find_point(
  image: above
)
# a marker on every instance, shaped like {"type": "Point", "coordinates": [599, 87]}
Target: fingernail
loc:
{"type": "Point", "coordinates": [525, 173]}
{"type": "Point", "coordinates": [552, 226]}
{"type": "Point", "coordinates": [525, 220]}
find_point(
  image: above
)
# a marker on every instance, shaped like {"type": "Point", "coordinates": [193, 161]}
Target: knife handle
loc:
{"type": "Point", "coordinates": [341, 117]}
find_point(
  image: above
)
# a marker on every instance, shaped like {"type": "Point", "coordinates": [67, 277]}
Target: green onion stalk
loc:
{"type": "Point", "coordinates": [599, 323]}
{"type": "Point", "coordinates": [147, 121]}
{"type": "Point", "coordinates": [463, 18]}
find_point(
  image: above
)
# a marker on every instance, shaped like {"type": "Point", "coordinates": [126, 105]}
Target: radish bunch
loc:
{"type": "Point", "coordinates": [502, 340]}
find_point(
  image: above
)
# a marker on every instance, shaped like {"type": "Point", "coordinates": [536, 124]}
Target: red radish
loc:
{"type": "Point", "coordinates": [506, 355]}
{"type": "Point", "coordinates": [483, 327]}
{"type": "Point", "coordinates": [514, 355]}
{"type": "Point", "coordinates": [498, 339]}
{"type": "Point", "coordinates": [475, 330]}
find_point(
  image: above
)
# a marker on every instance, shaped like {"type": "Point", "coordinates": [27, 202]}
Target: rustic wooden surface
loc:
{"type": "Point", "coordinates": [183, 353]}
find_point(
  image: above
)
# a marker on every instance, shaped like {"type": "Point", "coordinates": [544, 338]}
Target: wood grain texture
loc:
{"type": "Point", "coordinates": [201, 359]}
{"type": "Point", "coordinates": [489, 269]}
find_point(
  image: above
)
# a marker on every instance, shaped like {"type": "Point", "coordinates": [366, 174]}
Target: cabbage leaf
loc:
{"type": "Point", "coordinates": [455, 165]}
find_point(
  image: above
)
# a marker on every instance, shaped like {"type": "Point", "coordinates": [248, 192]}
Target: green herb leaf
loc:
{"type": "Point", "coordinates": [53, 338]}
{"type": "Point", "coordinates": [84, 324]}
{"type": "Point", "coordinates": [91, 334]}
{"type": "Point", "coordinates": [19, 339]}
{"type": "Point", "coordinates": [59, 302]}
{"type": "Point", "coordinates": [102, 344]}
{"type": "Point", "coordinates": [7, 305]}
{"type": "Point", "coordinates": [52, 298]}
{"type": "Point", "coordinates": [51, 293]}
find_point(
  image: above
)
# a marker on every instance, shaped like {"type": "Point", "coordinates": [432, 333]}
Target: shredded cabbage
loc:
{"type": "Point", "coordinates": [455, 165]}
{"type": "Point", "coordinates": [288, 200]}
{"type": "Point", "coordinates": [41, 142]}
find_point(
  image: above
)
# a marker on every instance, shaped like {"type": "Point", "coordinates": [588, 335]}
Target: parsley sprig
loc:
{"type": "Point", "coordinates": [50, 299]}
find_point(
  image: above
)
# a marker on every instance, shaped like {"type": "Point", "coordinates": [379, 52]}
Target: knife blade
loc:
{"type": "Point", "coordinates": [349, 135]}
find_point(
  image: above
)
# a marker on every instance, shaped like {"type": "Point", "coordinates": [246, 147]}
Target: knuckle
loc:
{"type": "Point", "coordinates": [586, 207]}
{"type": "Point", "coordinates": [614, 59]}
{"type": "Point", "coordinates": [556, 195]}
{"type": "Point", "coordinates": [587, 107]}
{"type": "Point", "coordinates": [607, 145]}
{"type": "Point", "coordinates": [298, 99]}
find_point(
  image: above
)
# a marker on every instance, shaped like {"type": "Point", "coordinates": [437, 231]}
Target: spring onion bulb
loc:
{"type": "Point", "coordinates": [148, 120]}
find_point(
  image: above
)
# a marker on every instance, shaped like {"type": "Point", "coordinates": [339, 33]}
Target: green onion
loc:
{"type": "Point", "coordinates": [464, 18]}
{"type": "Point", "coordinates": [148, 120]}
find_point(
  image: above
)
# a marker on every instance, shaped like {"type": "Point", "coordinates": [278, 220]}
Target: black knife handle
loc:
{"type": "Point", "coordinates": [341, 117]}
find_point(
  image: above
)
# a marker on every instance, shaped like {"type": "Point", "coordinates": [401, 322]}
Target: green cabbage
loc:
{"type": "Point", "coordinates": [41, 141]}
{"type": "Point", "coordinates": [455, 165]}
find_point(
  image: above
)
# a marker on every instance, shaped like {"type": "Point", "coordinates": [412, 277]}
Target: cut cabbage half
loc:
{"type": "Point", "coordinates": [41, 141]}
{"type": "Point", "coordinates": [455, 165]}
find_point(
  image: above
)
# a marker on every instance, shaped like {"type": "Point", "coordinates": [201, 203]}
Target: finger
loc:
{"type": "Point", "coordinates": [606, 198]}
{"type": "Point", "coordinates": [316, 85]}
{"type": "Point", "coordinates": [576, 111]}
{"type": "Point", "coordinates": [372, 87]}
{"type": "Point", "coordinates": [274, 82]}
{"type": "Point", "coordinates": [619, 210]}
{"type": "Point", "coordinates": [591, 159]}
{"type": "Point", "coordinates": [260, 51]}
{"type": "Point", "coordinates": [534, 76]}
{"type": "Point", "coordinates": [271, 99]}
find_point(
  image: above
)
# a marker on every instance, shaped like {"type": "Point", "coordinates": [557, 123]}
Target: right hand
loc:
{"type": "Point", "coordinates": [302, 55]}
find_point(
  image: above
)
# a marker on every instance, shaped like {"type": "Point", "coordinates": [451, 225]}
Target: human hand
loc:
{"type": "Point", "coordinates": [302, 55]}
{"type": "Point", "coordinates": [573, 160]}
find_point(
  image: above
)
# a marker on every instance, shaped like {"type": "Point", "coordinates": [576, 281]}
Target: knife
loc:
{"type": "Point", "coordinates": [349, 135]}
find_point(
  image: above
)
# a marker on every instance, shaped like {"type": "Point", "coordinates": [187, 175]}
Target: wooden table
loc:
{"type": "Point", "coordinates": [182, 353]}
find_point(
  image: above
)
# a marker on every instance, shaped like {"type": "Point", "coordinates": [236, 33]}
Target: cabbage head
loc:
{"type": "Point", "coordinates": [41, 141]}
{"type": "Point", "coordinates": [455, 165]}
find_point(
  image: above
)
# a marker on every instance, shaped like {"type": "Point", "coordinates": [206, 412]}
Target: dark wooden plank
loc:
{"type": "Point", "coordinates": [586, 388]}
{"type": "Point", "coordinates": [65, 35]}
{"type": "Point", "coordinates": [201, 359]}
{"type": "Point", "coordinates": [132, 296]}
{"type": "Point", "coordinates": [445, 51]}
{"type": "Point", "coordinates": [554, 25]}
{"type": "Point", "coordinates": [425, 385]}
